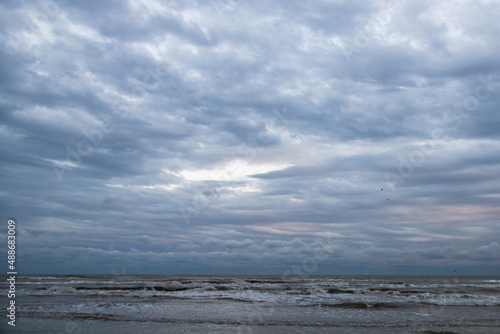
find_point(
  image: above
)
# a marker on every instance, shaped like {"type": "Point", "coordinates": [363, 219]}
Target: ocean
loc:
{"type": "Point", "coordinates": [253, 304]}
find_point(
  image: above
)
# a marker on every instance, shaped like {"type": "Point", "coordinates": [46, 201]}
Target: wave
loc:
{"type": "Point", "coordinates": [362, 306]}
{"type": "Point", "coordinates": [58, 288]}
{"type": "Point", "coordinates": [482, 303]}
{"type": "Point", "coordinates": [286, 294]}
{"type": "Point", "coordinates": [127, 290]}
{"type": "Point", "coordinates": [263, 321]}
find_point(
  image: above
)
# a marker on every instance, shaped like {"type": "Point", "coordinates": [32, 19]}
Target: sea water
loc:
{"type": "Point", "coordinates": [254, 304]}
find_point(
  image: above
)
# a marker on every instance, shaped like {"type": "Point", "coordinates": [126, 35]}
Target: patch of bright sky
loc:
{"type": "Point", "coordinates": [236, 171]}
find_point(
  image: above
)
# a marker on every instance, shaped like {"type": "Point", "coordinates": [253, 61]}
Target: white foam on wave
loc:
{"type": "Point", "coordinates": [78, 282]}
{"type": "Point", "coordinates": [43, 278]}
{"type": "Point", "coordinates": [313, 290]}
{"type": "Point", "coordinates": [65, 289]}
{"type": "Point", "coordinates": [337, 283]}
{"type": "Point", "coordinates": [463, 300]}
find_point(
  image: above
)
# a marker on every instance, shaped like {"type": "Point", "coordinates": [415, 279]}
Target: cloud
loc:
{"type": "Point", "coordinates": [333, 257]}
{"type": "Point", "coordinates": [197, 131]}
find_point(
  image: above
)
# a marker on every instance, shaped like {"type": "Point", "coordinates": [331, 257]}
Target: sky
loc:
{"type": "Point", "coordinates": [251, 137]}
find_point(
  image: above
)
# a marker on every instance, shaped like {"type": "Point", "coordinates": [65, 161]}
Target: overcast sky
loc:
{"type": "Point", "coordinates": [243, 137]}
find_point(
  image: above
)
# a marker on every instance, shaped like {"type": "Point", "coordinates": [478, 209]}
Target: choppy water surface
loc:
{"type": "Point", "coordinates": [257, 304]}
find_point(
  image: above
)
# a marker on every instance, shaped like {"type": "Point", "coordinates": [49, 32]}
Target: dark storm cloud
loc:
{"type": "Point", "coordinates": [247, 135]}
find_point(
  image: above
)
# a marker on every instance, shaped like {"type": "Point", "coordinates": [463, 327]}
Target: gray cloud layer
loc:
{"type": "Point", "coordinates": [242, 136]}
